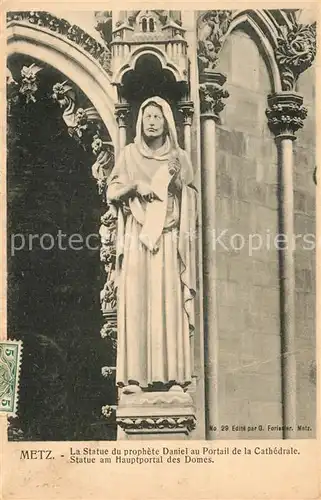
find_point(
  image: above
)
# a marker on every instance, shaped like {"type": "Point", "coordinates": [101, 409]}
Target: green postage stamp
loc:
{"type": "Point", "coordinates": [10, 360]}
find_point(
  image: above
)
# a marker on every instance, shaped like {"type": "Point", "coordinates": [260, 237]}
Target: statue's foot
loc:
{"type": "Point", "coordinates": [176, 388]}
{"type": "Point", "coordinates": [131, 389]}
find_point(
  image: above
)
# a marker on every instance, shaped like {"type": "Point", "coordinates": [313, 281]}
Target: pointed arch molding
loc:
{"type": "Point", "coordinates": [76, 64]}
{"type": "Point", "coordinates": [152, 50]}
{"type": "Point", "coordinates": [266, 29]}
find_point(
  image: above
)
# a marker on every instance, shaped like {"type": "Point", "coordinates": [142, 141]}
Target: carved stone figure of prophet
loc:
{"type": "Point", "coordinates": [151, 186]}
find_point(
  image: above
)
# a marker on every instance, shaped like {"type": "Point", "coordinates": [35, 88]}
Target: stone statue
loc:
{"type": "Point", "coordinates": [151, 184]}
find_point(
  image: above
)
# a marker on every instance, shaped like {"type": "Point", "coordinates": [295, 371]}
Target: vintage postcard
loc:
{"type": "Point", "coordinates": [159, 249]}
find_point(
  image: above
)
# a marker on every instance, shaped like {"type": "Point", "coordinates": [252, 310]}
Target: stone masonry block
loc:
{"type": "Point", "coordinates": [265, 414]}
{"type": "Point", "coordinates": [272, 196]}
{"type": "Point", "coordinates": [300, 201]}
{"type": "Point", "coordinates": [243, 115]}
{"type": "Point", "coordinates": [242, 167]}
{"type": "Point", "coordinates": [230, 293]}
{"type": "Point", "coordinates": [303, 157]}
{"type": "Point", "coordinates": [264, 300]}
{"type": "Point", "coordinates": [224, 184]}
{"type": "Point", "coordinates": [267, 325]}
{"type": "Point", "coordinates": [225, 211]}
{"type": "Point", "coordinates": [230, 318]}
{"type": "Point", "coordinates": [265, 273]}
{"type": "Point", "coordinates": [264, 388]}
{"type": "Point", "coordinates": [256, 192]}
{"type": "Point", "coordinates": [231, 141]}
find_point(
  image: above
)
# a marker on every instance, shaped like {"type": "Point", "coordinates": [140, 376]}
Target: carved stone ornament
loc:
{"type": "Point", "coordinates": [104, 25]}
{"type": "Point", "coordinates": [154, 424]}
{"type": "Point", "coordinates": [285, 114]}
{"type": "Point", "coordinates": [109, 329]}
{"type": "Point", "coordinates": [72, 32]}
{"type": "Point", "coordinates": [65, 95]}
{"type": "Point", "coordinates": [29, 84]}
{"type": "Point", "coordinates": [212, 28]}
{"type": "Point", "coordinates": [25, 89]}
{"type": "Point", "coordinates": [156, 412]}
{"type": "Point", "coordinates": [122, 113]}
{"type": "Point", "coordinates": [108, 411]}
{"type": "Point", "coordinates": [108, 296]}
{"type": "Point", "coordinates": [104, 163]}
{"type": "Point", "coordinates": [295, 52]}
{"type": "Point", "coordinates": [85, 125]}
{"type": "Point", "coordinates": [212, 93]}
{"type": "Point", "coordinates": [108, 371]}
{"type": "Point", "coordinates": [162, 15]}
{"type": "Point", "coordinates": [187, 110]}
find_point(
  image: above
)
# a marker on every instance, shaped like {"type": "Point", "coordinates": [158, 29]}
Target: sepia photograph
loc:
{"type": "Point", "coordinates": [161, 226]}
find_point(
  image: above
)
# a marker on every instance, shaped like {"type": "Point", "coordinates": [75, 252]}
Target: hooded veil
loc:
{"type": "Point", "coordinates": [155, 271]}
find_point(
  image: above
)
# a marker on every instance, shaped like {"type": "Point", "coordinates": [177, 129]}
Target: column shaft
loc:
{"type": "Point", "coordinates": [209, 274]}
{"type": "Point", "coordinates": [121, 138]}
{"type": "Point", "coordinates": [211, 103]}
{"type": "Point", "coordinates": [286, 115]}
{"type": "Point", "coordinates": [187, 139]}
{"type": "Point", "coordinates": [287, 283]}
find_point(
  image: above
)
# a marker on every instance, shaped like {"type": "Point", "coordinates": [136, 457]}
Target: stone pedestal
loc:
{"type": "Point", "coordinates": [146, 414]}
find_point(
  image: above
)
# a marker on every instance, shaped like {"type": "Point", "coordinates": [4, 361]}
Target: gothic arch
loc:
{"type": "Point", "coordinates": [263, 30]}
{"type": "Point", "coordinates": [152, 50]}
{"type": "Point", "coordinates": [66, 56]}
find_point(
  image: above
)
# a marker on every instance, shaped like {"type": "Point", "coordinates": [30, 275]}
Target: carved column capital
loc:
{"type": "Point", "coordinates": [122, 111]}
{"type": "Point", "coordinates": [285, 114]}
{"type": "Point", "coordinates": [187, 110]}
{"type": "Point", "coordinates": [212, 93]}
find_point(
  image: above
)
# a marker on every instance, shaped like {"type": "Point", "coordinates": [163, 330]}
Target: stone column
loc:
{"type": "Point", "coordinates": [187, 110]}
{"type": "Point", "coordinates": [211, 95]}
{"type": "Point", "coordinates": [285, 116]}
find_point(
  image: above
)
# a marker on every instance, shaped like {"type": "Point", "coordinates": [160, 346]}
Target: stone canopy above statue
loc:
{"type": "Point", "coordinates": [149, 32]}
{"type": "Point", "coordinates": [148, 21]}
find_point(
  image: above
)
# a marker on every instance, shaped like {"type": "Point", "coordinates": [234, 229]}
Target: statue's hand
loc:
{"type": "Point", "coordinates": [125, 192]}
{"type": "Point", "coordinates": [174, 166]}
{"type": "Point", "coordinates": [144, 192]}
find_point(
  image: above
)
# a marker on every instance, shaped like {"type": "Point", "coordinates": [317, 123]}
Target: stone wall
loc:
{"type": "Point", "coordinates": [248, 287]}
{"type": "Point", "coordinates": [305, 262]}
{"type": "Point", "coordinates": [248, 282]}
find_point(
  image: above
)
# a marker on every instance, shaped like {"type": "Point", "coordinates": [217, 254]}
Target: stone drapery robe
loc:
{"type": "Point", "coordinates": [155, 270]}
